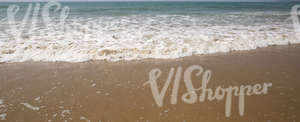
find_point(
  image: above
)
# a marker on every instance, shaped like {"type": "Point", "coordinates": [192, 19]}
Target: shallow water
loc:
{"type": "Point", "coordinates": [137, 30]}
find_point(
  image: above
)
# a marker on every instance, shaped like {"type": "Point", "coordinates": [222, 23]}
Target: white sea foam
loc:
{"type": "Point", "coordinates": [3, 116]}
{"type": "Point", "coordinates": [31, 106]}
{"type": "Point", "coordinates": [144, 36]}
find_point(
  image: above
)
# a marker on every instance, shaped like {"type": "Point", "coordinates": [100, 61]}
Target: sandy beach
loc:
{"type": "Point", "coordinates": [100, 91]}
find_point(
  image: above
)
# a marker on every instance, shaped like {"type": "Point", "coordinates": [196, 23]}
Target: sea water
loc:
{"type": "Point", "coordinates": [117, 31]}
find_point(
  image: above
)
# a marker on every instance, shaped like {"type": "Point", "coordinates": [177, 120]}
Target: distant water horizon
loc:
{"type": "Point", "coordinates": [220, 1]}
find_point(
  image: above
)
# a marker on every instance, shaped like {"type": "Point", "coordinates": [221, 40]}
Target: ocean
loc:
{"type": "Point", "coordinates": [117, 31]}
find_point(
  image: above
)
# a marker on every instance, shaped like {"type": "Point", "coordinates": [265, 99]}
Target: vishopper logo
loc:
{"type": "Point", "coordinates": [191, 96]}
{"type": "Point", "coordinates": [30, 19]}
{"type": "Point", "coordinates": [295, 19]}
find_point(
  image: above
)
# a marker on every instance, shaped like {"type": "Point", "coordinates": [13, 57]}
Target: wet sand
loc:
{"type": "Point", "coordinates": [100, 91]}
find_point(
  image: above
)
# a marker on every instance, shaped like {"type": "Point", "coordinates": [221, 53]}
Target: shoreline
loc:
{"type": "Point", "coordinates": [115, 91]}
{"type": "Point", "coordinates": [149, 60]}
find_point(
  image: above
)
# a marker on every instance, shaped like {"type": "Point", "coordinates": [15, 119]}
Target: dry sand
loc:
{"type": "Point", "coordinates": [102, 91]}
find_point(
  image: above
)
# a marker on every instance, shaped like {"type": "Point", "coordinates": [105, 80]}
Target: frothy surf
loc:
{"type": "Point", "coordinates": [134, 37]}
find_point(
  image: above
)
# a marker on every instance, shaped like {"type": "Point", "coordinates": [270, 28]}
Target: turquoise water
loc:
{"type": "Point", "coordinates": [186, 8]}
{"type": "Point", "coordinates": [255, 10]}
{"type": "Point", "coordinates": [198, 8]}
